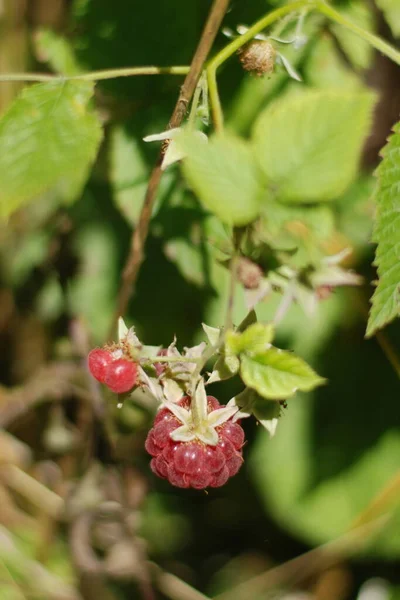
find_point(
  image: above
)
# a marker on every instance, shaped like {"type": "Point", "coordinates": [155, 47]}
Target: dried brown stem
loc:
{"type": "Point", "coordinates": [136, 253]}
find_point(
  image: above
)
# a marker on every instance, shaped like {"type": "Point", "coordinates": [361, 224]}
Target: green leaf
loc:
{"type": "Point", "coordinates": [386, 298]}
{"type": "Point", "coordinates": [212, 333]}
{"type": "Point", "coordinates": [309, 144]}
{"type": "Point", "coordinates": [56, 51]}
{"type": "Point", "coordinates": [277, 374]}
{"type": "Point", "coordinates": [325, 67]}
{"type": "Point", "coordinates": [48, 136]}
{"type": "Point", "coordinates": [303, 230]}
{"type": "Point", "coordinates": [129, 174]}
{"type": "Point", "coordinates": [358, 51]}
{"type": "Point", "coordinates": [391, 10]}
{"type": "Point", "coordinates": [255, 339]}
{"type": "Point", "coordinates": [223, 175]}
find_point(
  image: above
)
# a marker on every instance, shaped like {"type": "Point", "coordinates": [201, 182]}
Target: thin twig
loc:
{"type": "Point", "coordinates": [135, 257]}
{"type": "Point", "coordinates": [95, 75]}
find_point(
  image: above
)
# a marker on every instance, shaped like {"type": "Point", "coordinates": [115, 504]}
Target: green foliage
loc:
{"type": "Point", "coordinates": [128, 173]}
{"type": "Point", "coordinates": [276, 374]}
{"type": "Point", "coordinates": [309, 145]}
{"type": "Point", "coordinates": [254, 339]}
{"type": "Point", "coordinates": [224, 177]}
{"type": "Point", "coordinates": [357, 50]}
{"type": "Point", "coordinates": [325, 67]}
{"type": "Point", "coordinates": [49, 137]}
{"type": "Point", "coordinates": [391, 10]}
{"type": "Point", "coordinates": [386, 298]}
{"type": "Point", "coordinates": [56, 51]}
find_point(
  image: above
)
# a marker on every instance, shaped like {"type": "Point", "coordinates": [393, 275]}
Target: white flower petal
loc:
{"type": "Point", "coordinates": [122, 329]}
{"type": "Point", "coordinates": [172, 390]}
{"type": "Point", "coordinates": [289, 67]}
{"type": "Point", "coordinates": [164, 135]}
{"type": "Point", "coordinates": [221, 415]}
{"type": "Point", "coordinates": [209, 436]}
{"type": "Point", "coordinates": [199, 402]}
{"type": "Point", "coordinates": [183, 415]}
{"type": "Point", "coordinates": [155, 388]}
{"type": "Point", "coordinates": [270, 425]}
{"type": "Point", "coordinates": [182, 434]}
{"type": "Point", "coordinates": [173, 154]}
{"type": "Point", "coordinates": [212, 333]}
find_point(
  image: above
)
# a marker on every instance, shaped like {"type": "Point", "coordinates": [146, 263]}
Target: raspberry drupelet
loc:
{"type": "Point", "coordinates": [113, 369]}
{"type": "Point", "coordinates": [195, 463]}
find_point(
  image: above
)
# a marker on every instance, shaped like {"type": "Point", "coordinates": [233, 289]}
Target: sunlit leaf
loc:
{"type": "Point", "coordinates": [277, 374]}
{"type": "Point", "coordinates": [309, 144]}
{"type": "Point", "coordinates": [49, 135]}
{"type": "Point", "coordinates": [386, 298]}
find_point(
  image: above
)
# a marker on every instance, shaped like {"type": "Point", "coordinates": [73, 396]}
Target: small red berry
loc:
{"type": "Point", "coordinates": [98, 361]}
{"type": "Point", "coordinates": [194, 464]}
{"type": "Point", "coordinates": [121, 375]}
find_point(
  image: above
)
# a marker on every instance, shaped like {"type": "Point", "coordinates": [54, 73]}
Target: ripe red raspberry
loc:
{"type": "Point", "coordinates": [121, 375]}
{"type": "Point", "coordinates": [98, 361]}
{"type": "Point", "coordinates": [194, 464]}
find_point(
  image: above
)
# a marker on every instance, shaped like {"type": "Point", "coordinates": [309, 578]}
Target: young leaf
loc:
{"type": "Point", "coordinates": [277, 374]}
{"type": "Point", "coordinates": [225, 178]}
{"type": "Point", "coordinates": [47, 136]}
{"type": "Point", "coordinates": [255, 339]}
{"type": "Point", "coordinates": [386, 298]}
{"type": "Point", "coordinates": [391, 10]}
{"type": "Point", "coordinates": [309, 144]}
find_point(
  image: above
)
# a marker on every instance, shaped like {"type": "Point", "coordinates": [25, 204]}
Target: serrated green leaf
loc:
{"type": "Point", "coordinates": [309, 144]}
{"type": "Point", "coordinates": [386, 298]}
{"type": "Point", "coordinates": [225, 178]}
{"type": "Point", "coordinates": [277, 374]}
{"type": "Point", "coordinates": [358, 51]}
{"type": "Point", "coordinates": [255, 339]}
{"type": "Point", "coordinates": [47, 136]}
{"type": "Point", "coordinates": [391, 10]}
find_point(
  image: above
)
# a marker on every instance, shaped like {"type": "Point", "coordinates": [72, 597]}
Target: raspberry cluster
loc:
{"type": "Point", "coordinates": [113, 369]}
{"type": "Point", "coordinates": [194, 464]}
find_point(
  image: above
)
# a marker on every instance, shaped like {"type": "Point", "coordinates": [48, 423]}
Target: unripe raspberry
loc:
{"type": "Point", "coordinates": [258, 57]}
{"type": "Point", "coordinates": [98, 361]}
{"type": "Point", "coordinates": [194, 464]}
{"type": "Point", "coordinates": [121, 375]}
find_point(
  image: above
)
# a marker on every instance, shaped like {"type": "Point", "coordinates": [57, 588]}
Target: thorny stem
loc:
{"type": "Point", "coordinates": [135, 256]}
{"type": "Point", "coordinates": [96, 75]}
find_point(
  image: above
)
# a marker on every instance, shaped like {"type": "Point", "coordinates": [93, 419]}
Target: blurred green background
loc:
{"type": "Point", "coordinates": [80, 521]}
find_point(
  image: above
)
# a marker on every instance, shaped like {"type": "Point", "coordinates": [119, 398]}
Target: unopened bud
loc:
{"type": "Point", "coordinates": [258, 57]}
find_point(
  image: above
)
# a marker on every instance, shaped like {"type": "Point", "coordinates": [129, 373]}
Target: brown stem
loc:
{"type": "Point", "coordinates": [136, 255]}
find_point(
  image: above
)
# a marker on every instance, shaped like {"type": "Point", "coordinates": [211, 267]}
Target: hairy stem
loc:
{"type": "Point", "coordinates": [96, 75]}
{"type": "Point", "coordinates": [135, 257]}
